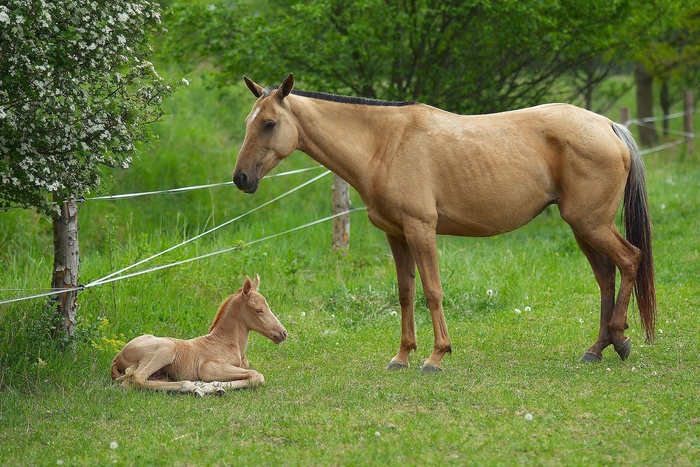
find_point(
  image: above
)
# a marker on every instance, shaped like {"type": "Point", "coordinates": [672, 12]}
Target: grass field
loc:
{"type": "Point", "coordinates": [521, 309]}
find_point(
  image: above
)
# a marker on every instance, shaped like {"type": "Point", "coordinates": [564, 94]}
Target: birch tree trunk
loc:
{"type": "Point", "coordinates": [66, 261]}
{"type": "Point", "coordinates": [341, 203]}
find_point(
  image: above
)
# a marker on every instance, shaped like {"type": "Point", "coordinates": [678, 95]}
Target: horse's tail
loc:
{"type": "Point", "coordinates": [635, 212]}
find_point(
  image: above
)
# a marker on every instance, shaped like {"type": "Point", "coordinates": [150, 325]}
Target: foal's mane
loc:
{"type": "Point", "coordinates": [343, 99]}
{"type": "Point", "coordinates": [223, 306]}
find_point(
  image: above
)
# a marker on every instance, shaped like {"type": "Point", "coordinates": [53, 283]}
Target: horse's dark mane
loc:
{"type": "Point", "coordinates": [343, 99]}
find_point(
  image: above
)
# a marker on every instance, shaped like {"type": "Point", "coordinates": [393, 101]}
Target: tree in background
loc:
{"type": "Point", "coordinates": [76, 94]}
{"type": "Point", "coordinates": [672, 60]}
{"type": "Point", "coordinates": [470, 57]}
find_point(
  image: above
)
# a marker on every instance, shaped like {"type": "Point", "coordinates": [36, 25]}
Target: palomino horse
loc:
{"type": "Point", "coordinates": [208, 364]}
{"type": "Point", "coordinates": [422, 171]}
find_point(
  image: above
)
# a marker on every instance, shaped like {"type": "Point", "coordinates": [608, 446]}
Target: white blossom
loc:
{"type": "Point", "coordinates": [61, 120]}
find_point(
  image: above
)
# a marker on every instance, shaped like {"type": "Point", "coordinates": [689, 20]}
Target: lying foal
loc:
{"type": "Point", "coordinates": [208, 364]}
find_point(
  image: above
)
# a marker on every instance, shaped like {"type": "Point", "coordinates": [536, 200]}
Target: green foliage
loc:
{"type": "Point", "coordinates": [468, 57]}
{"type": "Point", "coordinates": [76, 92]}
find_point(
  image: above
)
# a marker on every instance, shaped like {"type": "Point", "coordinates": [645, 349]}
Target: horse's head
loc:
{"type": "Point", "coordinates": [257, 314]}
{"type": "Point", "coordinates": [271, 134]}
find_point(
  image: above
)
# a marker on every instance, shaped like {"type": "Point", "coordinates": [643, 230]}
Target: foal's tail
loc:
{"type": "Point", "coordinates": [635, 211]}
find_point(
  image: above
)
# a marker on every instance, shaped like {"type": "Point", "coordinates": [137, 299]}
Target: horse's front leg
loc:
{"type": "Point", "coordinates": [406, 279]}
{"type": "Point", "coordinates": [421, 239]}
{"type": "Point", "coordinates": [222, 371]}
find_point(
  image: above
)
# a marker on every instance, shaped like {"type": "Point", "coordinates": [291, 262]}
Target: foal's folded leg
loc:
{"type": "Point", "coordinates": [227, 373]}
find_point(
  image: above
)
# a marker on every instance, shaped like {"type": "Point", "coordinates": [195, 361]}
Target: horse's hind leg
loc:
{"type": "Point", "coordinates": [604, 272]}
{"type": "Point", "coordinates": [609, 243]}
{"type": "Point", "coordinates": [406, 279]}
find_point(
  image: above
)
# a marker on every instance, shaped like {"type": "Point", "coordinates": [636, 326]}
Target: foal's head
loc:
{"type": "Point", "coordinates": [270, 136]}
{"type": "Point", "coordinates": [250, 309]}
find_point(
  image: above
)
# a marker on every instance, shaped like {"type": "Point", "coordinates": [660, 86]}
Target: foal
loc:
{"type": "Point", "coordinates": [209, 364]}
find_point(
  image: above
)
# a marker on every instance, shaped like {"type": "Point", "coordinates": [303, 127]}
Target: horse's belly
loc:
{"type": "Point", "coordinates": [488, 218]}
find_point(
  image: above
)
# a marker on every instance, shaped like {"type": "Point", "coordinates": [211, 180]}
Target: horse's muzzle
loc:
{"type": "Point", "coordinates": [245, 183]}
{"type": "Point", "coordinates": [279, 337]}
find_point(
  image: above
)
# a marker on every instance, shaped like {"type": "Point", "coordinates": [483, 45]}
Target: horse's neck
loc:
{"type": "Point", "coordinates": [341, 137]}
{"type": "Point", "coordinates": [231, 333]}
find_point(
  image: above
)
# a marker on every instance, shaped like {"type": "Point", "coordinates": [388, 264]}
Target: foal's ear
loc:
{"type": "Point", "coordinates": [247, 286]}
{"type": "Point", "coordinates": [256, 89]}
{"type": "Point", "coordinates": [256, 283]}
{"type": "Point", "coordinates": [287, 86]}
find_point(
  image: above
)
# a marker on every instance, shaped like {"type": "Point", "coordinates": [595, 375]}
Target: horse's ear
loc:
{"type": "Point", "coordinates": [247, 285]}
{"type": "Point", "coordinates": [287, 86]}
{"type": "Point", "coordinates": [256, 89]}
{"type": "Point", "coordinates": [256, 283]}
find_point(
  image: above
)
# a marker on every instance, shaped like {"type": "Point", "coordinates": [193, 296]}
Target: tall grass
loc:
{"type": "Point", "coordinates": [521, 308]}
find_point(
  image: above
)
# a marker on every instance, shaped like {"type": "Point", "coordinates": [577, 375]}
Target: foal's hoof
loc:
{"type": "Point", "coordinates": [430, 368]}
{"type": "Point", "coordinates": [623, 349]}
{"type": "Point", "coordinates": [396, 365]}
{"type": "Point", "coordinates": [591, 357]}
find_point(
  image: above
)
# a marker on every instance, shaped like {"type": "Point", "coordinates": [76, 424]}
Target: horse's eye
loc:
{"type": "Point", "coordinates": [270, 125]}
{"type": "Point", "coordinates": [259, 311]}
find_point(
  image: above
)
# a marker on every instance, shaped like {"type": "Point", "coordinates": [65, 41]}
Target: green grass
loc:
{"type": "Point", "coordinates": [328, 399]}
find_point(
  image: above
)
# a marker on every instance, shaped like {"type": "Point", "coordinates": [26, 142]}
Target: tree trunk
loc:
{"type": "Point", "coordinates": [645, 106]}
{"type": "Point", "coordinates": [66, 261]}
{"type": "Point", "coordinates": [341, 203]}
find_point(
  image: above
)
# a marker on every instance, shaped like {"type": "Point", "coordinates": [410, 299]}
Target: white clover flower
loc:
{"type": "Point", "coordinates": [113, 445]}
{"type": "Point", "coordinates": [527, 308]}
{"type": "Point", "coordinates": [489, 292]}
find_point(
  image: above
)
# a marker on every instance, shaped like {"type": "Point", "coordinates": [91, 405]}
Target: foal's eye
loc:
{"type": "Point", "coordinates": [270, 125]}
{"type": "Point", "coordinates": [259, 311]}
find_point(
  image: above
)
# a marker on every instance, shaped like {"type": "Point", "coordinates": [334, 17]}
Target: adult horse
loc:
{"type": "Point", "coordinates": [422, 171]}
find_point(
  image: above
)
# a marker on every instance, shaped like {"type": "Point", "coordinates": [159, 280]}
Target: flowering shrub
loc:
{"type": "Point", "coordinates": [76, 92]}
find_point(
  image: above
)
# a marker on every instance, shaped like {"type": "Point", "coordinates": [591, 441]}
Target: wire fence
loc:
{"type": "Point", "coordinates": [121, 274]}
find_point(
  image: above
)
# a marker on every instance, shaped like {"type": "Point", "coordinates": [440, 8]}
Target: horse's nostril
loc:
{"type": "Point", "coordinates": [240, 179]}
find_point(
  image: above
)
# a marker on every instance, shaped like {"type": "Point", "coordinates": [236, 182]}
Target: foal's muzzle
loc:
{"type": "Point", "coordinates": [245, 183]}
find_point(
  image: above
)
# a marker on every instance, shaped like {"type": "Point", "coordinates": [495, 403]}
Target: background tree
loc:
{"type": "Point", "coordinates": [470, 57]}
{"type": "Point", "coordinates": [76, 93]}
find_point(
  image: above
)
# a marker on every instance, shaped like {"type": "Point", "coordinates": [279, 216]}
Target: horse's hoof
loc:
{"type": "Point", "coordinates": [591, 357]}
{"type": "Point", "coordinates": [219, 391]}
{"type": "Point", "coordinates": [199, 392]}
{"type": "Point", "coordinates": [623, 350]}
{"type": "Point", "coordinates": [430, 368]}
{"type": "Point", "coordinates": [395, 365]}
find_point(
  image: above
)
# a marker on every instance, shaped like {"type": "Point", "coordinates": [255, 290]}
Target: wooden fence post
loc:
{"type": "Point", "coordinates": [341, 203]}
{"type": "Point", "coordinates": [688, 122]}
{"type": "Point", "coordinates": [66, 261]}
{"type": "Point", "coordinates": [625, 117]}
